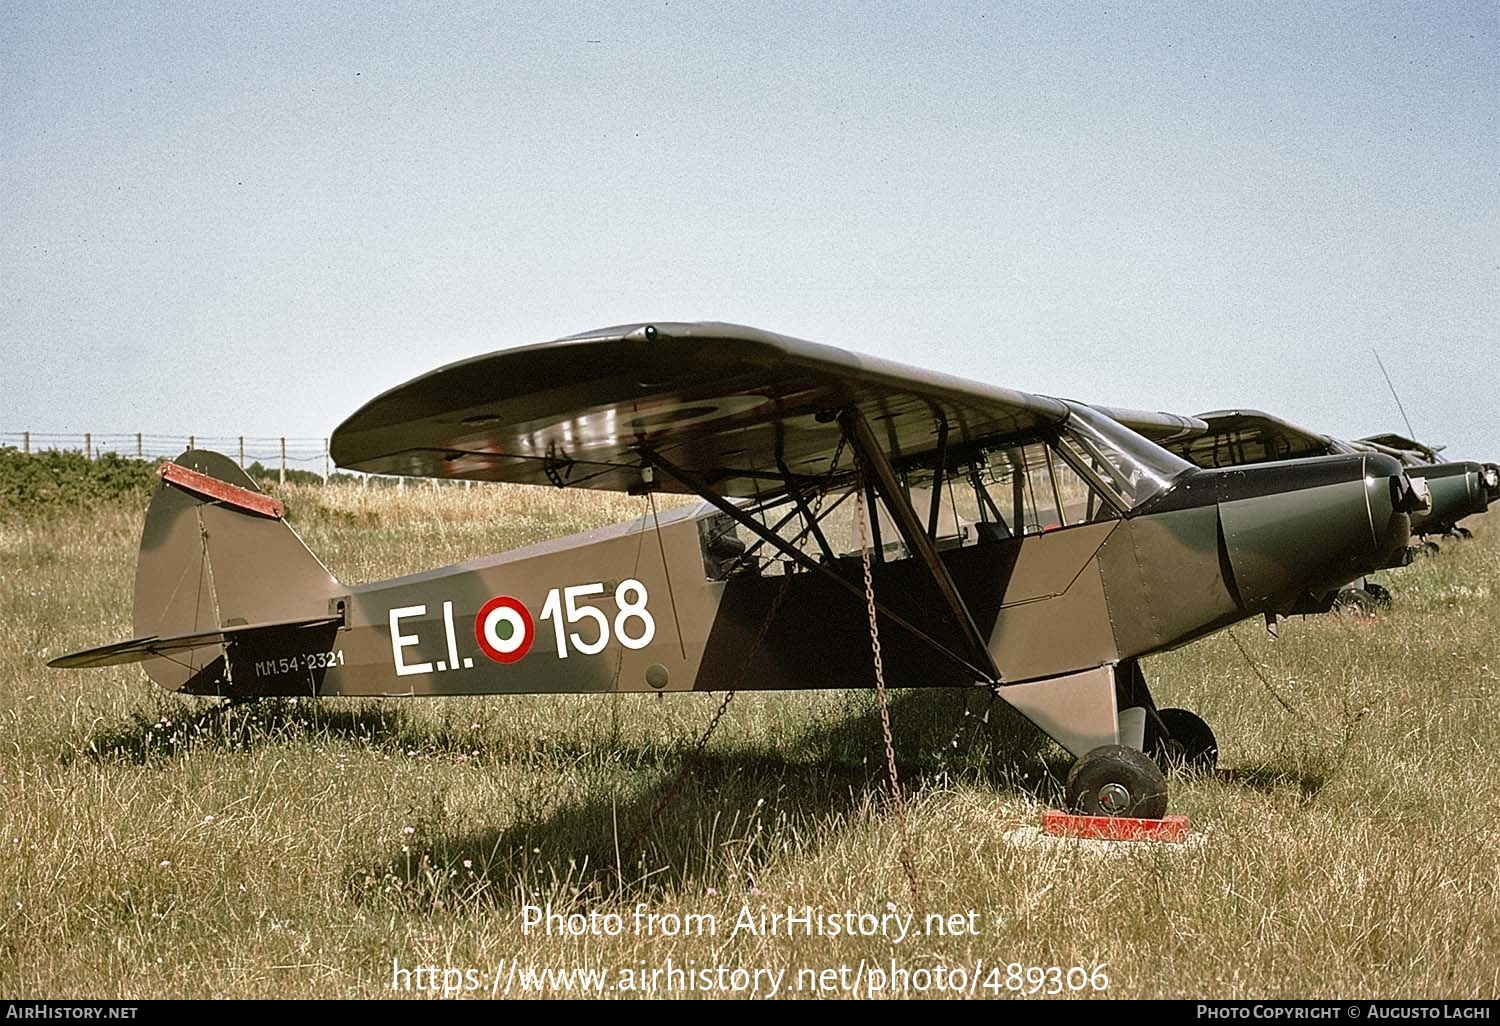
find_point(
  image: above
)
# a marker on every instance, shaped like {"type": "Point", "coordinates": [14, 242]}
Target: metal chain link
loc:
{"type": "Point", "coordinates": [1292, 709]}
{"type": "Point", "coordinates": [691, 762]}
{"type": "Point", "coordinates": [907, 863]}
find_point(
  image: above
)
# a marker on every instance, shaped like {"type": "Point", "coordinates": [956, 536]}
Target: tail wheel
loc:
{"type": "Point", "coordinates": [1381, 595]}
{"type": "Point", "coordinates": [1188, 744]}
{"type": "Point", "coordinates": [1430, 547]}
{"type": "Point", "coordinates": [1116, 780]}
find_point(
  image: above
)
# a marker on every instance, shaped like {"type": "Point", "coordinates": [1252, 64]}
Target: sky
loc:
{"type": "Point", "coordinates": [251, 219]}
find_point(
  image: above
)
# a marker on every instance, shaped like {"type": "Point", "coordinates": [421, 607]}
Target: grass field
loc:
{"type": "Point", "coordinates": [159, 847]}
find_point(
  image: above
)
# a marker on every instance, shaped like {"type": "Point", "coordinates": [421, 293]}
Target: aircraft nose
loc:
{"type": "Point", "coordinates": [1458, 491]}
{"type": "Point", "coordinates": [1306, 527]}
{"type": "Point", "coordinates": [1391, 498]}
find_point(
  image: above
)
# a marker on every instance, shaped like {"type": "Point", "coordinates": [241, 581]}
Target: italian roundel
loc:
{"type": "Point", "coordinates": [504, 629]}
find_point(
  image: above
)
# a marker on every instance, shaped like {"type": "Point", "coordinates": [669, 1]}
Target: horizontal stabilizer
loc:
{"type": "Point", "coordinates": [137, 649]}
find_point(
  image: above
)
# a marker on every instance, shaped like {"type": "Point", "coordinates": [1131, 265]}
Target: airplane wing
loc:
{"type": "Point", "coordinates": [731, 404]}
{"type": "Point", "coordinates": [1233, 437]}
{"type": "Point", "coordinates": [1403, 444]}
{"type": "Point", "coordinates": [1161, 428]}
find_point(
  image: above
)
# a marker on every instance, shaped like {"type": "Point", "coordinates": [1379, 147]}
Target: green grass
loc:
{"type": "Point", "coordinates": [161, 847]}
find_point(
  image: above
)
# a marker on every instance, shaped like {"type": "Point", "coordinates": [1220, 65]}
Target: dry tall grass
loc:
{"type": "Point", "coordinates": [159, 847]}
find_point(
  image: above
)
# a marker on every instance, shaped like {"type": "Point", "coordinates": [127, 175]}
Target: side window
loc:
{"type": "Point", "coordinates": [1080, 501]}
{"type": "Point", "coordinates": [991, 496]}
{"type": "Point", "coordinates": [1021, 491]}
{"type": "Point", "coordinates": [1035, 491]}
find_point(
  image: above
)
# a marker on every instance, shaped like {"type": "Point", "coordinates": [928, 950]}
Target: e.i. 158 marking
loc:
{"type": "Point", "coordinates": [504, 631]}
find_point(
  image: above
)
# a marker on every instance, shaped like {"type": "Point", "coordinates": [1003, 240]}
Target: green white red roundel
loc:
{"type": "Point", "coordinates": [504, 629]}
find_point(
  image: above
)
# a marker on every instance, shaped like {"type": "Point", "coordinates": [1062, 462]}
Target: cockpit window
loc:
{"type": "Point", "coordinates": [1134, 467]}
{"type": "Point", "coordinates": [1089, 470]}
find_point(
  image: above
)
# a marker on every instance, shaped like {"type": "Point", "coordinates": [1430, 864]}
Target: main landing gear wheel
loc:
{"type": "Point", "coordinates": [1189, 743]}
{"type": "Point", "coordinates": [1381, 595]}
{"type": "Point", "coordinates": [1357, 601]}
{"type": "Point", "coordinates": [1116, 780]}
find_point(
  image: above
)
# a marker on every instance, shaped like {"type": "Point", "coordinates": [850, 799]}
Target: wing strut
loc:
{"type": "Point", "coordinates": [758, 529]}
{"type": "Point", "coordinates": [857, 430]}
{"type": "Point", "coordinates": [807, 514]}
{"type": "Point", "coordinates": [939, 469]}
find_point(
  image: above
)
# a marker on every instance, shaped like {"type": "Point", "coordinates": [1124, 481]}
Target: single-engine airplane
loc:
{"type": "Point", "coordinates": [1229, 438]}
{"type": "Point", "coordinates": [1027, 545]}
{"type": "Point", "coordinates": [1419, 456]}
{"type": "Point", "coordinates": [1391, 440]}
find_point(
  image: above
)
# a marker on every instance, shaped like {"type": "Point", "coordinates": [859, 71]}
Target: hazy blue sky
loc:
{"type": "Point", "coordinates": [252, 218]}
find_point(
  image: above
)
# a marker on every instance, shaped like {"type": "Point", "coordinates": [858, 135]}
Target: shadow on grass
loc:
{"type": "Point", "coordinates": [1272, 779]}
{"type": "Point", "coordinates": [641, 824]}
{"type": "Point", "coordinates": [735, 810]}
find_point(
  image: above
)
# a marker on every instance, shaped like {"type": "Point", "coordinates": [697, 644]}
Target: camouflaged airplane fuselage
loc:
{"type": "Point", "coordinates": [1020, 542]}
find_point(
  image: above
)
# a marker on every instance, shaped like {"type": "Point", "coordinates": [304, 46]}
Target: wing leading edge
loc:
{"type": "Point", "coordinates": [742, 409]}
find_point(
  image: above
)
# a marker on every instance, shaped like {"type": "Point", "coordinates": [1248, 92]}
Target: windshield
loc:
{"type": "Point", "coordinates": [1135, 467]}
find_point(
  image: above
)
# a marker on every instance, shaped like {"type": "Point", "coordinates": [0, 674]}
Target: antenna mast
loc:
{"type": "Point", "coordinates": [1409, 432]}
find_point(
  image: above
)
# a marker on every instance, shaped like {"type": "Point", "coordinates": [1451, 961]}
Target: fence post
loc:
{"type": "Point", "coordinates": [325, 461]}
{"type": "Point", "coordinates": [88, 445]}
{"type": "Point", "coordinates": [283, 460]}
{"type": "Point", "coordinates": [242, 452]}
{"type": "Point", "coordinates": [26, 443]}
{"type": "Point", "coordinates": [138, 453]}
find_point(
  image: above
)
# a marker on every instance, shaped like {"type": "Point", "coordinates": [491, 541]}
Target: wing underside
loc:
{"type": "Point", "coordinates": [743, 410]}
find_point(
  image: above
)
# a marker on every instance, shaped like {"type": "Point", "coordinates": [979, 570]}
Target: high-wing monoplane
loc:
{"type": "Point", "coordinates": [1230, 438]}
{"type": "Point", "coordinates": [1026, 545]}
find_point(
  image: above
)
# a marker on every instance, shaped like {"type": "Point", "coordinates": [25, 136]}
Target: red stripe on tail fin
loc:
{"type": "Point", "coordinates": [223, 491]}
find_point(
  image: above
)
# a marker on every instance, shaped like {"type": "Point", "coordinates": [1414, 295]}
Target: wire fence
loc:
{"type": "Point", "coordinates": [276, 455]}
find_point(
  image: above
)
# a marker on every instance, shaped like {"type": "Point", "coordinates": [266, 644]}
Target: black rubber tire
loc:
{"type": "Point", "coordinates": [1356, 601]}
{"type": "Point", "coordinates": [1430, 548]}
{"type": "Point", "coordinates": [1380, 594]}
{"type": "Point", "coordinates": [1191, 746]}
{"type": "Point", "coordinates": [1116, 780]}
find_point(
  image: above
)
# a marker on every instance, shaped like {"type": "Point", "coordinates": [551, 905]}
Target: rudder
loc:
{"type": "Point", "coordinates": [214, 557]}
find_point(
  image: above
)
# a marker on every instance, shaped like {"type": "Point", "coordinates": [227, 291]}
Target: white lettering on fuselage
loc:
{"type": "Point", "coordinates": [400, 641]}
{"type": "Point", "coordinates": [503, 628]}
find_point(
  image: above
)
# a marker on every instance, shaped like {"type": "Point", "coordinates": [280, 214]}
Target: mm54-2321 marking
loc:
{"type": "Point", "coordinates": [298, 663]}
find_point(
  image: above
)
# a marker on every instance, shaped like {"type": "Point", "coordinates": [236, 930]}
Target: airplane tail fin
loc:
{"type": "Point", "coordinates": [218, 566]}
